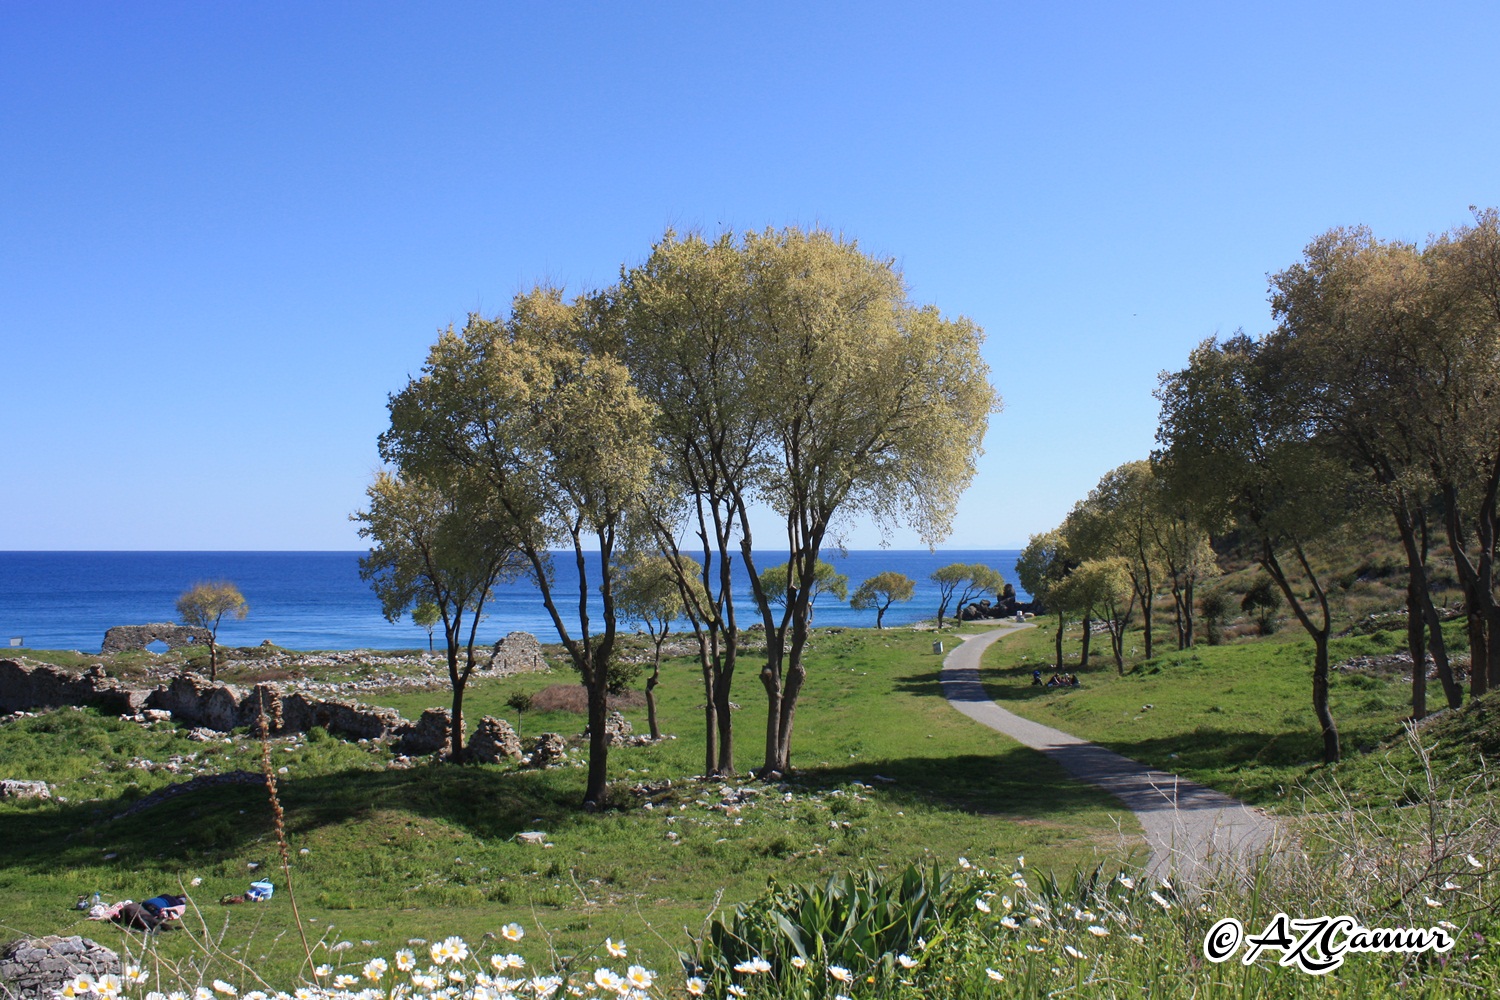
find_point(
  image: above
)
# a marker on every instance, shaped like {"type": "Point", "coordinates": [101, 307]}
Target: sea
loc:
{"type": "Point", "coordinates": [317, 601]}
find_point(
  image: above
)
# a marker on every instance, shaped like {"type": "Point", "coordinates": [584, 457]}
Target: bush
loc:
{"type": "Point", "coordinates": [1263, 601]}
{"type": "Point", "coordinates": [1215, 608]}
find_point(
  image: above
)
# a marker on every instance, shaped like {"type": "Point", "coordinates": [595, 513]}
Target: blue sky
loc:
{"type": "Point", "coordinates": [229, 230]}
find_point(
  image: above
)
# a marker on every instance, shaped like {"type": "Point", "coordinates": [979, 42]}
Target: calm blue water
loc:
{"type": "Point", "coordinates": [316, 600]}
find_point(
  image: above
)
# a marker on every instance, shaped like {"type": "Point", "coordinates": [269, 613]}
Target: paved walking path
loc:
{"type": "Point", "coordinates": [1186, 824]}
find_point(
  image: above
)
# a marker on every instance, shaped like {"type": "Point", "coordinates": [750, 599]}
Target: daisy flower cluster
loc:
{"type": "Point", "coordinates": [444, 970]}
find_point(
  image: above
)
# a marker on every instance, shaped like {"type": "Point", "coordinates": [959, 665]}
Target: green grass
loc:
{"type": "Point", "coordinates": [429, 851]}
{"type": "Point", "coordinates": [1236, 717]}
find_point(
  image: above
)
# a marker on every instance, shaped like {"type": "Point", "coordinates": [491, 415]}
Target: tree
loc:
{"type": "Point", "coordinates": [441, 548]}
{"type": "Point", "coordinates": [881, 591]}
{"type": "Point", "coordinates": [1263, 601]}
{"type": "Point", "coordinates": [1042, 566]}
{"type": "Point", "coordinates": [968, 581]}
{"type": "Point", "coordinates": [873, 406]}
{"type": "Point", "coordinates": [1182, 545]}
{"type": "Point", "coordinates": [553, 428]}
{"type": "Point", "coordinates": [1215, 608]}
{"type": "Point", "coordinates": [1119, 518]}
{"type": "Point", "coordinates": [782, 591]}
{"type": "Point", "coordinates": [948, 579]}
{"type": "Point", "coordinates": [1237, 446]}
{"type": "Point", "coordinates": [681, 322]}
{"type": "Point", "coordinates": [521, 702]}
{"type": "Point", "coordinates": [204, 605]}
{"type": "Point", "coordinates": [648, 592]}
{"type": "Point", "coordinates": [1382, 340]}
{"type": "Point", "coordinates": [1102, 588]}
{"type": "Point", "coordinates": [426, 616]}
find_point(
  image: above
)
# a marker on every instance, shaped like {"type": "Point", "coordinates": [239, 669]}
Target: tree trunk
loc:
{"type": "Point", "coordinates": [456, 714]}
{"type": "Point", "coordinates": [1479, 600]}
{"type": "Point", "coordinates": [213, 661]}
{"type": "Point", "coordinates": [1149, 605]}
{"type": "Point", "coordinates": [456, 728]}
{"type": "Point", "coordinates": [1331, 749]}
{"type": "Point", "coordinates": [596, 795]}
{"type": "Point", "coordinates": [710, 747]}
{"type": "Point", "coordinates": [1416, 645]}
{"type": "Point", "coordinates": [1188, 611]}
{"type": "Point", "coordinates": [1319, 634]}
{"type": "Point", "coordinates": [1061, 622]}
{"type": "Point", "coordinates": [772, 683]}
{"type": "Point", "coordinates": [880, 617]}
{"type": "Point", "coordinates": [724, 664]}
{"type": "Point", "coordinates": [651, 683]}
{"type": "Point", "coordinates": [1419, 588]}
{"type": "Point", "coordinates": [1088, 635]}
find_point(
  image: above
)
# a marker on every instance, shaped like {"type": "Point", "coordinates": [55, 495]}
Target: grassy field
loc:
{"type": "Point", "coordinates": [1237, 717]}
{"type": "Point", "coordinates": [887, 775]}
{"type": "Point", "coordinates": [387, 857]}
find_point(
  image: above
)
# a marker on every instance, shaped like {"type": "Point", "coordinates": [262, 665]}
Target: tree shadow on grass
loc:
{"type": "Point", "coordinates": [1016, 782]}
{"type": "Point", "coordinates": [192, 829]}
{"type": "Point", "coordinates": [223, 819]}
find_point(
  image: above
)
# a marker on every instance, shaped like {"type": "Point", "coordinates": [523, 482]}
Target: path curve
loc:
{"type": "Point", "coordinates": [1188, 826]}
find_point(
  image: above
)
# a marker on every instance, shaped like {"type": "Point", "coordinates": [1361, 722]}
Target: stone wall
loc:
{"type": "Point", "coordinates": [38, 968]}
{"type": "Point", "coordinates": [194, 701]}
{"type": "Point", "coordinates": [123, 637]}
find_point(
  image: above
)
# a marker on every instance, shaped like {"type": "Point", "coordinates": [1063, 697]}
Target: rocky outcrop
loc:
{"type": "Point", "coordinates": [493, 742]}
{"type": "Point", "coordinates": [38, 968]}
{"type": "Point", "coordinates": [123, 637]}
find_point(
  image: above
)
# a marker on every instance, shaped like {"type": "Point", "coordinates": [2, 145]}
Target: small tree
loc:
{"type": "Point", "coordinates": [426, 615]}
{"type": "Point", "coordinates": [443, 545]}
{"type": "Point", "coordinates": [521, 702]}
{"type": "Point", "coordinates": [826, 580]}
{"type": "Point", "coordinates": [1215, 608]}
{"type": "Point", "coordinates": [648, 592]}
{"type": "Point", "coordinates": [1263, 601]}
{"type": "Point", "coordinates": [1102, 588]}
{"type": "Point", "coordinates": [967, 581]}
{"type": "Point", "coordinates": [1043, 565]}
{"type": "Point", "coordinates": [881, 591]}
{"type": "Point", "coordinates": [204, 605]}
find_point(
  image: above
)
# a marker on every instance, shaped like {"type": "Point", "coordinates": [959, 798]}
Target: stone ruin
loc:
{"type": "Point", "coordinates": [549, 749]}
{"type": "Point", "coordinates": [123, 637]}
{"type": "Point", "coordinates": [38, 968]}
{"type": "Point", "coordinates": [494, 741]}
{"type": "Point", "coordinates": [516, 653]}
{"type": "Point", "coordinates": [192, 700]}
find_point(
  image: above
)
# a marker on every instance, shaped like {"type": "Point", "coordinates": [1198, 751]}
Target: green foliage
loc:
{"type": "Point", "coordinates": [854, 920]}
{"type": "Point", "coordinates": [426, 616]}
{"type": "Point", "coordinates": [204, 605]}
{"type": "Point", "coordinates": [826, 580]}
{"type": "Point", "coordinates": [969, 581]}
{"type": "Point", "coordinates": [1263, 600]}
{"type": "Point", "coordinates": [649, 590]}
{"type": "Point", "coordinates": [881, 591]}
{"type": "Point", "coordinates": [1215, 606]}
